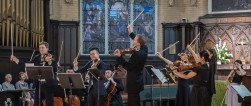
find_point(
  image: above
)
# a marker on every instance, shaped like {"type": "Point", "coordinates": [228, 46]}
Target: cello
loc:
{"type": "Point", "coordinates": [111, 90]}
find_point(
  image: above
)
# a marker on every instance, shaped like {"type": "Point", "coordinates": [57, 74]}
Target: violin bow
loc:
{"type": "Point", "coordinates": [169, 47]}
{"type": "Point", "coordinates": [137, 17]}
{"type": "Point", "coordinates": [62, 43]}
{"type": "Point", "coordinates": [79, 51]}
{"type": "Point", "coordinates": [32, 54]}
{"type": "Point", "coordinates": [196, 38]}
{"type": "Point", "coordinates": [11, 39]}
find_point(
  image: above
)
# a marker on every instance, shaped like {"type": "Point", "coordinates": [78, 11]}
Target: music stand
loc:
{"type": "Point", "coordinates": [71, 81]}
{"type": "Point", "coordinates": [95, 73]}
{"type": "Point", "coordinates": [243, 93]}
{"type": "Point", "coordinates": [153, 76]}
{"type": "Point", "coordinates": [39, 73]}
{"type": "Point", "coordinates": [162, 78]}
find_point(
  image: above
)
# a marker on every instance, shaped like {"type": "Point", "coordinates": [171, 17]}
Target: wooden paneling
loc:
{"type": "Point", "coordinates": [66, 31]}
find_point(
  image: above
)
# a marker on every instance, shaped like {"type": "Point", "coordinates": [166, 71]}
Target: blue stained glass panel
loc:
{"type": "Point", "coordinates": [93, 25]}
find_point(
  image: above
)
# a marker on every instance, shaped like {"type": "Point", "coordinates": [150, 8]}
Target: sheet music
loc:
{"type": "Point", "coordinates": [160, 75]}
{"type": "Point", "coordinates": [29, 64]}
{"type": "Point", "coordinates": [243, 91]}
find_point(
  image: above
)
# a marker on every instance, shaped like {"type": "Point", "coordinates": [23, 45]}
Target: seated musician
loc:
{"type": "Point", "coordinates": [234, 78]}
{"type": "Point", "coordinates": [116, 99]}
{"type": "Point", "coordinates": [21, 84]}
{"type": "Point", "coordinates": [7, 85]}
{"type": "Point", "coordinates": [42, 59]}
{"type": "Point", "coordinates": [93, 86]}
{"type": "Point", "coordinates": [77, 94]}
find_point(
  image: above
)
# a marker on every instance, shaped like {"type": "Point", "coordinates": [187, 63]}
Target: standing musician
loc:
{"type": "Point", "coordinates": [213, 68]}
{"type": "Point", "coordinates": [93, 83]}
{"type": "Point", "coordinates": [234, 78]}
{"type": "Point", "coordinates": [116, 100]}
{"type": "Point", "coordinates": [134, 67]}
{"type": "Point", "coordinates": [200, 93]}
{"type": "Point", "coordinates": [183, 90]}
{"type": "Point", "coordinates": [42, 59]}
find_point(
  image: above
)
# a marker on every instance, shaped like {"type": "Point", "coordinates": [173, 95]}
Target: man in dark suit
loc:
{"type": "Point", "coordinates": [134, 67]}
{"type": "Point", "coordinates": [116, 99]}
{"type": "Point", "coordinates": [93, 86]}
{"type": "Point", "coordinates": [42, 59]}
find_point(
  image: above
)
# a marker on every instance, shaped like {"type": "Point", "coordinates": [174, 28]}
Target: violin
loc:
{"type": "Point", "coordinates": [46, 55]}
{"type": "Point", "coordinates": [188, 67]}
{"type": "Point", "coordinates": [127, 51]}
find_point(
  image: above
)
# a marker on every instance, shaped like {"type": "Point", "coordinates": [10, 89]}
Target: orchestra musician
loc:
{"type": "Point", "coordinates": [234, 78]}
{"type": "Point", "coordinates": [200, 94]}
{"type": "Point", "coordinates": [116, 99]}
{"type": "Point", "coordinates": [49, 86]}
{"type": "Point", "coordinates": [134, 67]}
{"type": "Point", "coordinates": [212, 66]}
{"type": "Point", "coordinates": [95, 62]}
{"type": "Point", "coordinates": [183, 90]}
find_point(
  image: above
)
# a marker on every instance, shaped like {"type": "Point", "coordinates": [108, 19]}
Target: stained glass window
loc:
{"type": "Point", "coordinates": [93, 25]}
{"type": "Point", "coordinates": [145, 24]}
{"type": "Point", "coordinates": [114, 15]}
{"type": "Point", "coordinates": [118, 19]}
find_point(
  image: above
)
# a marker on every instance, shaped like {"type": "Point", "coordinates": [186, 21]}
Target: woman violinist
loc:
{"type": "Point", "coordinates": [183, 90]}
{"type": "Point", "coordinates": [234, 78]}
{"type": "Point", "coordinates": [199, 95]}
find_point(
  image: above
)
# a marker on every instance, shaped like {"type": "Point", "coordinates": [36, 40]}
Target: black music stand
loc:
{"type": "Point", "coordinates": [170, 79]}
{"type": "Point", "coordinates": [153, 76]}
{"type": "Point", "coordinates": [71, 81]}
{"type": "Point", "coordinates": [243, 93]}
{"type": "Point", "coordinates": [95, 73]}
{"type": "Point", "coordinates": [39, 73]}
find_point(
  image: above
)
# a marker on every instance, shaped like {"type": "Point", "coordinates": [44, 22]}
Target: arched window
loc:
{"type": "Point", "coordinates": [104, 24]}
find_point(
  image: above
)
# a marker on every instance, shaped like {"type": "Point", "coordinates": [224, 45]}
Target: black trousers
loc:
{"type": "Point", "coordinates": [47, 92]}
{"type": "Point", "coordinates": [93, 99]}
{"type": "Point", "coordinates": [133, 99]}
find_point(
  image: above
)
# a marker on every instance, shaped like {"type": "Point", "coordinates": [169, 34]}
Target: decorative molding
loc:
{"type": "Point", "coordinates": [171, 3]}
{"type": "Point", "coordinates": [232, 30]}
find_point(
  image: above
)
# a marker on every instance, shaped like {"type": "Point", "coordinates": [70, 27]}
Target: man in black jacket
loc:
{"type": "Point", "coordinates": [116, 99]}
{"type": "Point", "coordinates": [93, 83]}
{"type": "Point", "coordinates": [42, 59]}
{"type": "Point", "coordinates": [134, 67]}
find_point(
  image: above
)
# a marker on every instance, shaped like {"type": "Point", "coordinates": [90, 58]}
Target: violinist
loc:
{"type": "Point", "coordinates": [234, 78]}
{"type": "Point", "coordinates": [93, 87]}
{"type": "Point", "coordinates": [42, 59]}
{"type": "Point", "coordinates": [199, 95]}
{"type": "Point", "coordinates": [183, 90]}
{"type": "Point", "coordinates": [116, 100]}
{"type": "Point", "coordinates": [213, 68]}
{"type": "Point", "coordinates": [135, 67]}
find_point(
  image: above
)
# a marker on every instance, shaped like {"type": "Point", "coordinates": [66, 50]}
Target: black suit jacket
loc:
{"type": "Point", "coordinates": [135, 67]}
{"type": "Point", "coordinates": [117, 99]}
{"type": "Point", "coordinates": [37, 62]}
{"type": "Point", "coordinates": [102, 67]}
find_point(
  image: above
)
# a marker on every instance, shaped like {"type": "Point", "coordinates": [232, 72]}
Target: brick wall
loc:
{"type": "Point", "coordinates": [62, 11]}
{"type": "Point", "coordinates": [180, 9]}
